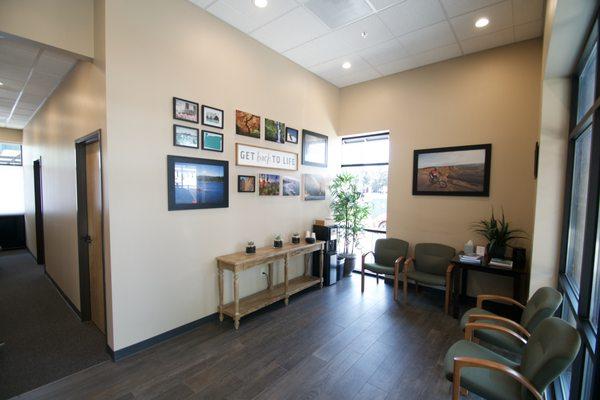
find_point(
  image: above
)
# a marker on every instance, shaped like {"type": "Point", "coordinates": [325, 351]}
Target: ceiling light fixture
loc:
{"type": "Point", "coordinates": [1, 83]}
{"type": "Point", "coordinates": [482, 22]}
{"type": "Point", "coordinates": [347, 65]}
{"type": "Point", "coordinates": [261, 3]}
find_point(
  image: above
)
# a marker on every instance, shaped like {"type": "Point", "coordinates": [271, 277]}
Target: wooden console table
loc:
{"type": "Point", "coordinates": [241, 261]}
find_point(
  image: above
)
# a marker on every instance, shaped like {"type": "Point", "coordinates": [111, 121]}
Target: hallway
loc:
{"type": "Point", "coordinates": [43, 339]}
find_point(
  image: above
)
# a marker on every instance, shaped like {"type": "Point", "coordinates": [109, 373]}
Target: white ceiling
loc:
{"type": "Point", "coordinates": [29, 73]}
{"type": "Point", "coordinates": [320, 35]}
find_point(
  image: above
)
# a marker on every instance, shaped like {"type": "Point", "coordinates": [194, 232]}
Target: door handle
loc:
{"type": "Point", "coordinates": [87, 239]}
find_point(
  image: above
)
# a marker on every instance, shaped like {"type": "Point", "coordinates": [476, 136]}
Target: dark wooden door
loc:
{"type": "Point", "coordinates": [39, 213]}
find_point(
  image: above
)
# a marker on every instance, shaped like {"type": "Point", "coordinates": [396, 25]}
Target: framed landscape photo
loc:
{"type": "Point", "coordinates": [274, 131]}
{"type": "Point", "coordinates": [247, 124]}
{"type": "Point", "coordinates": [197, 183]}
{"type": "Point", "coordinates": [291, 135]}
{"type": "Point", "coordinates": [314, 149]}
{"type": "Point", "coordinates": [212, 117]}
{"type": "Point", "coordinates": [453, 171]}
{"type": "Point", "coordinates": [212, 141]}
{"type": "Point", "coordinates": [315, 186]}
{"type": "Point", "coordinates": [185, 110]}
{"type": "Point", "coordinates": [184, 136]}
{"type": "Point", "coordinates": [246, 183]}
{"type": "Point", "coordinates": [291, 186]}
{"type": "Point", "coordinates": [268, 184]}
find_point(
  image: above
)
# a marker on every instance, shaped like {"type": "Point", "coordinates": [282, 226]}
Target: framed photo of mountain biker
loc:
{"type": "Point", "coordinates": [453, 171]}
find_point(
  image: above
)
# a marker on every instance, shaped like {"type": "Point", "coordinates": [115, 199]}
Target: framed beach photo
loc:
{"type": "Point", "coordinates": [184, 136]}
{"type": "Point", "coordinates": [291, 135]}
{"type": "Point", "coordinates": [247, 124]}
{"type": "Point", "coordinates": [212, 141]}
{"type": "Point", "coordinates": [452, 171]}
{"type": "Point", "coordinates": [246, 183]}
{"type": "Point", "coordinates": [268, 184]}
{"type": "Point", "coordinates": [212, 117]}
{"type": "Point", "coordinates": [314, 149]}
{"type": "Point", "coordinates": [185, 110]}
{"type": "Point", "coordinates": [197, 183]}
{"type": "Point", "coordinates": [274, 131]}
{"type": "Point", "coordinates": [291, 186]}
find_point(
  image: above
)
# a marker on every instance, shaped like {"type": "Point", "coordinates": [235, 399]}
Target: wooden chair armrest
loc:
{"type": "Point", "coordinates": [449, 271]}
{"type": "Point", "coordinates": [513, 324]}
{"type": "Point", "coordinates": [499, 299]}
{"type": "Point", "coordinates": [365, 256]}
{"type": "Point", "coordinates": [470, 329]}
{"type": "Point", "coordinates": [399, 261]}
{"type": "Point", "coordinates": [471, 362]}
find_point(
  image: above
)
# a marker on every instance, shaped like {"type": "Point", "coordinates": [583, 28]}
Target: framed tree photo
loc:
{"type": "Point", "coordinates": [314, 149]}
{"type": "Point", "coordinates": [453, 171]}
{"type": "Point", "coordinates": [246, 183]}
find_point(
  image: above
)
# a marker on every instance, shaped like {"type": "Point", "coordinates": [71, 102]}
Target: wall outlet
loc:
{"type": "Point", "coordinates": [263, 271]}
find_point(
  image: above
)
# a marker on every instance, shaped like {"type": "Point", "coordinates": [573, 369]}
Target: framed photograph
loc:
{"type": "Point", "coordinates": [268, 185]}
{"type": "Point", "coordinates": [291, 186]}
{"type": "Point", "coordinates": [274, 131]}
{"type": "Point", "coordinates": [184, 136]}
{"type": "Point", "coordinates": [315, 186]}
{"type": "Point", "coordinates": [247, 124]}
{"type": "Point", "coordinates": [453, 171]}
{"type": "Point", "coordinates": [291, 135]}
{"type": "Point", "coordinates": [246, 183]}
{"type": "Point", "coordinates": [212, 141]}
{"type": "Point", "coordinates": [314, 149]}
{"type": "Point", "coordinates": [212, 117]}
{"type": "Point", "coordinates": [197, 183]}
{"type": "Point", "coordinates": [185, 110]}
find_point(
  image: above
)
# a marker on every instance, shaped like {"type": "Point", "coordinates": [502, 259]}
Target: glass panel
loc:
{"type": "Point", "coordinates": [595, 300]}
{"type": "Point", "coordinates": [373, 182]}
{"type": "Point", "coordinates": [581, 168]}
{"type": "Point", "coordinates": [588, 373]}
{"type": "Point", "coordinates": [565, 378]}
{"type": "Point", "coordinates": [587, 84]}
{"type": "Point", "coordinates": [10, 154]}
{"type": "Point", "coordinates": [366, 150]}
{"type": "Point", "coordinates": [11, 182]}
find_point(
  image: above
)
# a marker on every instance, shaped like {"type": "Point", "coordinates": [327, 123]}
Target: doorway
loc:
{"type": "Point", "coordinates": [90, 212]}
{"type": "Point", "coordinates": [39, 216]}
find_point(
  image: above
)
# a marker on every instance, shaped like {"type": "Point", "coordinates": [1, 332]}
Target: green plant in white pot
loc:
{"type": "Point", "coordinates": [349, 212]}
{"type": "Point", "coordinates": [498, 233]}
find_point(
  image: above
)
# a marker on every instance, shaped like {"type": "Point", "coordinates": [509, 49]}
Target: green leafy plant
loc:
{"type": "Point", "coordinates": [277, 238]}
{"type": "Point", "coordinates": [349, 209]}
{"type": "Point", "coordinates": [497, 232]}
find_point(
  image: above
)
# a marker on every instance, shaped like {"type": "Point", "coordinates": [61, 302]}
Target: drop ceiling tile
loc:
{"type": "Point", "coordinates": [337, 13]}
{"type": "Point", "coordinates": [529, 30]}
{"type": "Point", "coordinates": [324, 48]}
{"type": "Point", "coordinates": [429, 38]}
{"type": "Point", "coordinates": [376, 32]}
{"type": "Point", "coordinates": [278, 35]}
{"type": "Point", "coordinates": [489, 41]}
{"type": "Point", "coordinates": [428, 57]}
{"type": "Point", "coordinates": [16, 53]}
{"type": "Point", "coordinates": [528, 10]}
{"type": "Point", "coordinates": [384, 52]}
{"type": "Point", "coordinates": [381, 4]}
{"type": "Point", "coordinates": [54, 64]}
{"type": "Point", "coordinates": [356, 77]}
{"type": "Point", "coordinates": [458, 7]}
{"type": "Point", "coordinates": [500, 16]}
{"type": "Point", "coordinates": [412, 15]}
{"type": "Point", "coordinates": [245, 16]}
{"type": "Point", "coordinates": [202, 3]}
{"type": "Point", "coordinates": [334, 67]}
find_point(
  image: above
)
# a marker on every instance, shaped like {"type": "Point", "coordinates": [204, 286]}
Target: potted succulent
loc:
{"type": "Point", "coordinates": [349, 212]}
{"type": "Point", "coordinates": [278, 242]}
{"type": "Point", "coordinates": [296, 238]}
{"type": "Point", "coordinates": [498, 233]}
{"type": "Point", "coordinates": [250, 248]}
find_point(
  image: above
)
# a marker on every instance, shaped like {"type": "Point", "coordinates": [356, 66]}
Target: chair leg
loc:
{"type": "Point", "coordinates": [405, 289]}
{"type": "Point", "coordinates": [416, 287]}
{"type": "Point", "coordinates": [396, 285]}
{"type": "Point", "coordinates": [377, 275]}
{"type": "Point", "coordinates": [447, 299]}
{"type": "Point", "coordinates": [362, 279]}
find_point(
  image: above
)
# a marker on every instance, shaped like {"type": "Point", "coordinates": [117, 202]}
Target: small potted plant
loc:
{"type": "Point", "coordinates": [498, 234]}
{"type": "Point", "coordinates": [250, 248]}
{"type": "Point", "coordinates": [296, 238]}
{"type": "Point", "coordinates": [278, 242]}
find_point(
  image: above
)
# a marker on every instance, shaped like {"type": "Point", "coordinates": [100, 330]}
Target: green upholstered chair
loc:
{"type": "Point", "coordinates": [550, 350]}
{"type": "Point", "coordinates": [389, 256]}
{"type": "Point", "coordinates": [542, 304]}
{"type": "Point", "coordinates": [430, 266]}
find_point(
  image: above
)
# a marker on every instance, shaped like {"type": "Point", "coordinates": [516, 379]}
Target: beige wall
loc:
{"type": "Point", "coordinates": [489, 97]}
{"type": "Point", "coordinates": [11, 135]}
{"type": "Point", "coordinates": [65, 24]}
{"type": "Point", "coordinates": [163, 262]}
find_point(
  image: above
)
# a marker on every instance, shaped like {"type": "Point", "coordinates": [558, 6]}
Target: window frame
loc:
{"type": "Point", "coordinates": [21, 158]}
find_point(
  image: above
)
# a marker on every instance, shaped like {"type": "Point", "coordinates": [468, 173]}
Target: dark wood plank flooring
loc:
{"type": "Point", "coordinates": [332, 343]}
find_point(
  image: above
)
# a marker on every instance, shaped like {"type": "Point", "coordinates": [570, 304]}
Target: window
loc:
{"type": "Point", "coordinates": [10, 154]}
{"type": "Point", "coordinates": [11, 179]}
{"type": "Point", "coordinates": [586, 85]}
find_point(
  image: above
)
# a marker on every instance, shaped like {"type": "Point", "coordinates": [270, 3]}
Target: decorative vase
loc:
{"type": "Point", "coordinates": [295, 239]}
{"type": "Point", "coordinates": [278, 243]}
{"type": "Point", "coordinates": [250, 249]}
{"type": "Point", "coordinates": [497, 251]}
{"type": "Point", "coordinates": [349, 264]}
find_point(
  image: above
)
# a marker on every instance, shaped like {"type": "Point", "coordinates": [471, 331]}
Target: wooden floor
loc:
{"type": "Point", "coordinates": [332, 343]}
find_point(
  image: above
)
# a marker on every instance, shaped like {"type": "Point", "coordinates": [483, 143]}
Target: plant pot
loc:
{"type": "Point", "coordinates": [497, 251]}
{"type": "Point", "coordinates": [349, 264]}
{"type": "Point", "coordinates": [310, 240]}
{"type": "Point", "coordinates": [278, 243]}
{"type": "Point", "coordinates": [250, 249]}
{"type": "Point", "coordinates": [295, 240]}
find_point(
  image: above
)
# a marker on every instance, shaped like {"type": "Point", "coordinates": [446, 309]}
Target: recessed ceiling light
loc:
{"type": "Point", "coordinates": [482, 22]}
{"type": "Point", "coordinates": [347, 65]}
{"type": "Point", "coordinates": [1, 83]}
{"type": "Point", "coordinates": [261, 3]}
{"type": "Point", "coordinates": [364, 34]}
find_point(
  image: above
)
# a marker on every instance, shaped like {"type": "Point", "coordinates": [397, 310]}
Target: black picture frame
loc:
{"type": "Point", "coordinates": [176, 143]}
{"type": "Point", "coordinates": [174, 205]}
{"type": "Point", "coordinates": [484, 192]}
{"type": "Point", "coordinates": [209, 123]}
{"type": "Point", "coordinates": [291, 135]}
{"type": "Point", "coordinates": [195, 117]}
{"type": "Point", "coordinates": [307, 138]}
{"type": "Point", "coordinates": [204, 132]}
{"type": "Point", "coordinates": [240, 189]}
